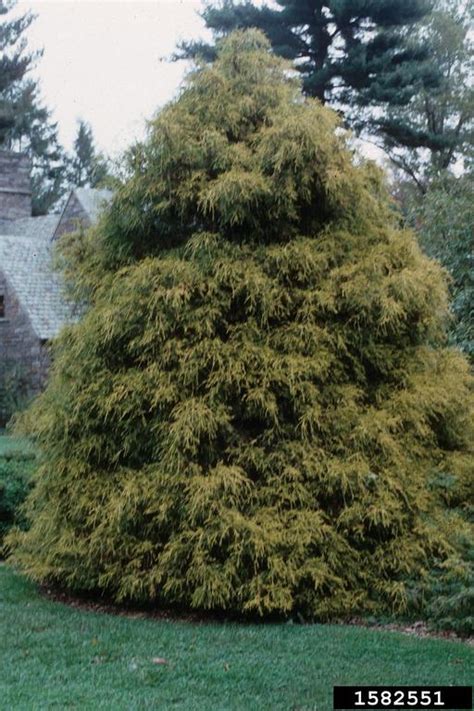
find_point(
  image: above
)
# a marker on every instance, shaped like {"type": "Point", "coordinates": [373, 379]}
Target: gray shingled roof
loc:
{"type": "Point", "coordinates": [93, 200]}
{"type": "Point", "coordinates": [26, 263]}
{"type": "Point", "coordinates": [35, 227]}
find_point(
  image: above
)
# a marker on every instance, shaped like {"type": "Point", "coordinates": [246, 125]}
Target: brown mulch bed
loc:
{"type": "Point", "coordinates": [415, 629]}
{"type": "Point", "coordinates": [90, 603]}
{"type": "Point", "coordinates": [93, 604]}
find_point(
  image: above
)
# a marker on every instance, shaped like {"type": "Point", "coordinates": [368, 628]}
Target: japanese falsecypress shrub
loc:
{"type": "Point", "coordinates": [257, 412]}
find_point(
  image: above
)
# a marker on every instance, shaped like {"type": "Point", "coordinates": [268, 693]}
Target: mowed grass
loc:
{"type": "Point", "coordinates": [57, 657]}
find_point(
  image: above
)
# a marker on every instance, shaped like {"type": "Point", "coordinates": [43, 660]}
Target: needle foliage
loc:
{"type": "Point", "coordinates": [257, 412]}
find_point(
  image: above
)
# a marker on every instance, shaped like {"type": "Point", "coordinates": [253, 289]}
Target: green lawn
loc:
{"type": "Point", "coordinates": [56, 657]}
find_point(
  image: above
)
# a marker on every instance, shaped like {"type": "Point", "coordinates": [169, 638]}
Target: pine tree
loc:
{"type": "Point", "coordinates": [86, 168]}
{"type": "Point", "coordinates": [14, 62]}
{"type": "Point", "coordinates": [257, 412]}
{"type": "Point", "coordinates": [352, 54]}
{"type": "Point", "coordinates": [25, 123]}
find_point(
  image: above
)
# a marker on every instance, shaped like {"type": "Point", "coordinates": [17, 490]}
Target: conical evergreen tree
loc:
{"type": "Point", "coordinates": [25, 123]}
{"type": "Point", "coordinates": [15, 62]}
{"type": "Point", "coordinates": [86, 167]}
{"type": "Point", "coordinates": [35, 134]}
{"type": "Point", "coordinates": [257, 412]}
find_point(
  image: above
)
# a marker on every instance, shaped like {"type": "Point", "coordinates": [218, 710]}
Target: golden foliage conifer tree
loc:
{"type": "Point", "coordinates": [257, 412]}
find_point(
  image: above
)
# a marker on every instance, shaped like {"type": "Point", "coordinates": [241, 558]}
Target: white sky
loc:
{"type": "Point", "coordinates": [106, 61]}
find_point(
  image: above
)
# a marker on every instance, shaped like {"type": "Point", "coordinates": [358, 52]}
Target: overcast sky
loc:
{"type": "Point", "coordinates": [106, 61]}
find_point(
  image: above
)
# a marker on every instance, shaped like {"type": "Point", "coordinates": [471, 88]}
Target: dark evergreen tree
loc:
{"type": "Point", "coordinates": [86, 167]}
{"type": "Point", "coordinates": [350, 53]}
{"type": "Point", "coordinates": [14, 62]}
{"type": "Point", "coordinates": [25, 124]}
{"type": "Point", "coordinates": [36, 134]}
{"type": "Point", "coordinates": [258, 411]}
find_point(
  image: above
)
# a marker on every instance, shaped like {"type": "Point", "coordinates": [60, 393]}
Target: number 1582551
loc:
{"type": "Point", "coordinates": [403, 697]}
{"type": "Point", "coordinates": [399, 697]}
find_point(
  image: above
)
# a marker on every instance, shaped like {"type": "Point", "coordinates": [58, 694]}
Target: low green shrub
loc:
{"type": "Point", "coordinates": [16, 467]}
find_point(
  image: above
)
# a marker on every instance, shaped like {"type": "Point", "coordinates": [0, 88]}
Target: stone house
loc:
{"type": "Point", "coordinates": [32, 305]}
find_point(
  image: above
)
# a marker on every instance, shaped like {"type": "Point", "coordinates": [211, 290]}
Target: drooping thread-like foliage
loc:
{"type": "Point", "coordinates": [257, 411]}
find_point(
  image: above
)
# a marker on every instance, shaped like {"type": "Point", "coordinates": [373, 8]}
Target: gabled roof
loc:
{"type": "Point", "coordinates": [26, 263]}
{"type": "Point", "coordinates": [93, 200]}
{"type": "Point", "coordinates": [35, 227]}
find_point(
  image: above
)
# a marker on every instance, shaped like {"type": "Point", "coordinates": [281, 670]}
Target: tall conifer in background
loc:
{"type": "Point", "coordinates": [257, 412]}
{"type": "Point", "coordinates": [25, 123]}
{"type": "Point", "coordinates": [86, 167]}
{"type": "Point", "coordinates": [358, 56]}
{"type": "Point", "coordinates": [14, 63]}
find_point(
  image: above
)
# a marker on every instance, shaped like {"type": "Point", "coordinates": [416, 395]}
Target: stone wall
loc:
{"type": "Point", "coordinates": [24, 359]}
{"type": "Point", "coordinates": [15, 186]}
